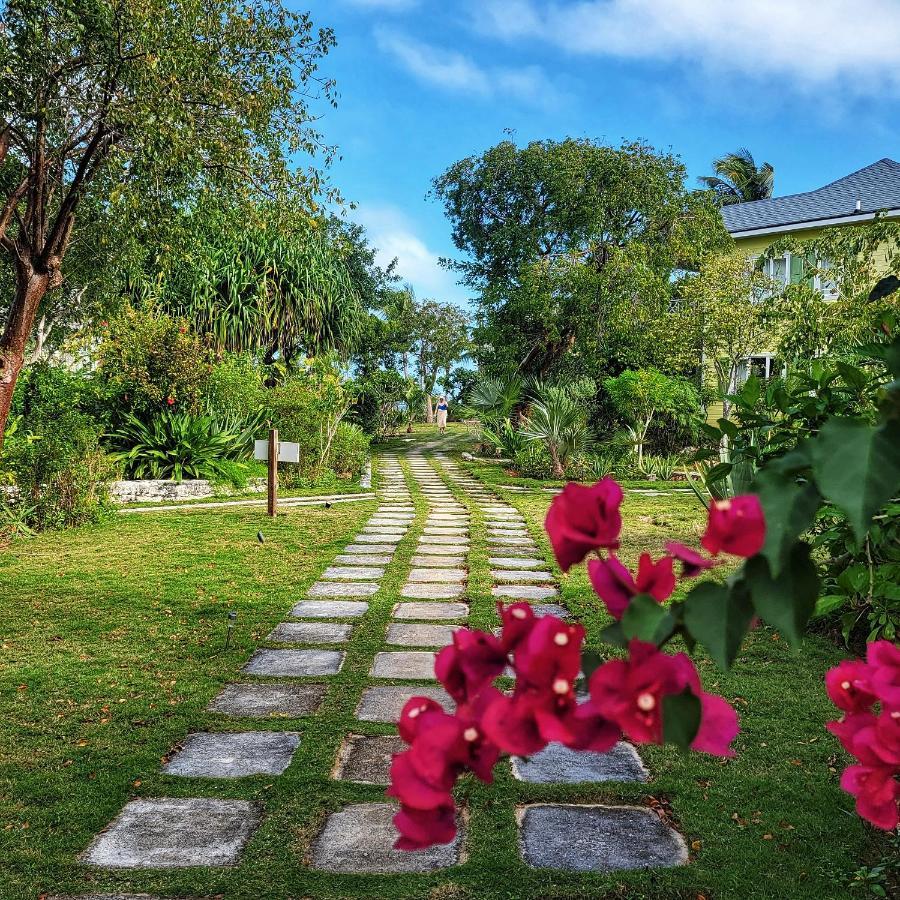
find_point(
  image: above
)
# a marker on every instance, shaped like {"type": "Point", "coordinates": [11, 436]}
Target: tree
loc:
{"type": "Point", "coordinates": [563, 240]}
{"type": "Point", "coordinates": [738, 179]}
{"type": "Point", "coordinates": [132, 104]}
{"type": "Point", "coordinates": [558, 419]}
{"type": "Point", "coordinates": [264, 278]}
{"type": "Point", "coordinates": [641, 395]}
{"type": "Point", "coordinates": [729, 311]}
{"type": "Point", "coordinates": [440, 336]}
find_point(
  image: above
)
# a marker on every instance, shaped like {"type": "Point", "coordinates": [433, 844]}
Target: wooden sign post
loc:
{"type": "Point", "coordinates": [273, 452]}
{"type": "Point", "coordinates": [273, 473]}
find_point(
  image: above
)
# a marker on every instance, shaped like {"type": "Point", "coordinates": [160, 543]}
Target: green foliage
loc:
{"type": "Point", "coordinates": [234, 391]}
{"type": "Point", "coordinates": [661, 467]}
{"type": "Point", "coordinates": [149, 360]}
{"type": "Point", "coordinates": [53, 453]}
{"type": "Point", "coordinates": [494, 399]}
{"type": "Point", "coordinates": [739, 179]}
{"type": "Point", "coordinates": [571, 246]}
{"type": "Point", "coordinates": [378, 405]}
{"type": "Point", "coordinates": [558, 420]}
{"type": "Point", "coordinates": [177, 445]}
{"type": "Point", "coordinates": [504, 439]}
{"type": "Point", "coordinates": [349, 450]}
{"type": "Point", "coordinates": [639, 396]}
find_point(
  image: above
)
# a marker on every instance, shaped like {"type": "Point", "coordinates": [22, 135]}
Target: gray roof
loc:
{"type": "Point", "coordinates": [877, 186]}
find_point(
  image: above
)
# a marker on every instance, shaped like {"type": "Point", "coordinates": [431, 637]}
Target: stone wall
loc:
{"type": "Point", "coordinates": [166, 490]}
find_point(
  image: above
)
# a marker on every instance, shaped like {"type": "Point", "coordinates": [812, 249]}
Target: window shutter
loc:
{"type": "Point", "coordinates": [797, 268]}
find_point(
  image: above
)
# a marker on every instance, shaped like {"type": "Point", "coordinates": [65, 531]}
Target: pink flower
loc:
{"type": "Point", "coordinates": [736, 526]}
{"type": "Point", "coordinates": [472, 661]}
{"type": "Point", "coordinates": [877, 794]}
{"type": "Point", "coordinates": [630, 693]}
{"type": "Point", "coordinates": [423, 828]}
{"type": "Point", "coordinates": [414, 712]}
{"type": "Point", "coordinates": [848, 686]}
{"type": "Point", "coordinates": [518, 619]}
{"type": "Point", "coordinates": [884, 662]}
{"type": "Point", "coordinates": [692, 563]}
{"type": "Point", "coordinates": [615, 585]}
{"type": "Point", "coordinates": [550, 654]}
{"type": "Point", "coordinates": [170, 400]}
{"type": "Point", "coordinates": [582, 519]}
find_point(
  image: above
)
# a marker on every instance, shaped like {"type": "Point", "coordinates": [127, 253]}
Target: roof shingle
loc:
{"type": "Point", "coordinates": [877, 187]}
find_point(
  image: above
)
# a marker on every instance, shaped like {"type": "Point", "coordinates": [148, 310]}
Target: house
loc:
{"type": "Point", "coordinates": [854, 199]}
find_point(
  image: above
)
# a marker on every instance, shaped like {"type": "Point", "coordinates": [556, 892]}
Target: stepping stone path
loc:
{"type": "Point", "coordinates": [321, 628]}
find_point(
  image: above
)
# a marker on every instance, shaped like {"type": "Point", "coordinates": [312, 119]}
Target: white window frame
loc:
{"type": "Point", "coordinates": [828, 289]}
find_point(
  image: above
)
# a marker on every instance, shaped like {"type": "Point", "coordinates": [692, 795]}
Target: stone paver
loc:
{"type": "Point", "coordinates": [266, 700]}
{"type": "Point", "coordinates": [329, 609]}
{"type": "Point", "coordinates": [364, 559]}
{"type": "Point", "coordinates": [384, 703]}
{"type": "Point", "coordinates": [352, 572]}
{"type": "Point", "coordinates": [310, 633]}
{"type": "Point", "coordinates": [557, 764]}
{"type": "Point", "coordinates": [366, 758]}
{"type": "Point", "coordinates": [515, 562]}
{"type": "Point", "coordinates": [432, 591]}
{"type": "Point", "coordinates": [443, 539]}
{"type": "Point", "coordinates": [513, 542]}
{"type": "Point", "coordinates": [520, 575]}
{"type": "Point", "coordinates": [550, 609]}
{"type": "Point", "coordinates": [212, 755]}
{"type": "Point", "coordinates": [435, 574]}
{"type": "Point", "coordinates": [412, 635]}
{"type": "Point", "coordinates": [598, 838]}
{"type": "Point", "coordinates": [439, 549]}
{"type": "Point", "coordinates": [449, 562]}
{"type": "Point", "coordinates": [377, 539]}
{"type": "Point", "coordinates": [523, 591]}
{"type": "Point", "coordinates": [347, 589]}
{"type": "Point", "coordinates": [175, 833]}
{"type": "Point", "coordinates": [295, 663]}
{"type": "Point", "coordinates": [403, 664]}
{"type": "Point", "coordinates": [431, 610]}
{"type": "Point", "coordinates": [360, 838]}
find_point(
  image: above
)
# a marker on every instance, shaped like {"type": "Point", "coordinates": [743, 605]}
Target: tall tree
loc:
{"type": "Point", "coordinates": [739, 179]}
{"type": "Point", "coordinates": [563, 240]}
{"type": "Point", "coordinates": [134, 103]}
{"type": "Point", "coordinates": [440, 337]}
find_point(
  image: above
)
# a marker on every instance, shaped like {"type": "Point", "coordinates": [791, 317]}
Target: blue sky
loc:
{"type": "Point", "coordinates": [812, 86]}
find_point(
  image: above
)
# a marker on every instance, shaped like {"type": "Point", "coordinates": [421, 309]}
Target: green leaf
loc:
{"type": "Point", "coordinates": [681, 718]}
{"type": "Point", "coordinates": [646, 620]}
{"type": "Point", "coordinates": [591, 660]}
{"type": "Point", "coordinates": [786, 602]}
{"type": "Point", "coordinates": [729, 428]}
{"type": "Point", "coordinates": [828, 604]}
{"type": "Point", "coordinates": [614, 635]}
{"type": "Point", "coordinates": [857, 467]}
{"type": "Point", "coordinates": [854, 377]}
{"type": "Point", "coordinates": [718, 473]}
{"type": "Point", "coordinates": [718, 618]}
{"type": "Point", "coordinates": [797, 460]}
{"type": "Point", "coordinates": [789, 508]}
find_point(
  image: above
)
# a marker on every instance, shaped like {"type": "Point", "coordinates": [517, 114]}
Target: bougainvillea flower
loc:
{"type": "Point", "coordinates": [413, 714]}
{"type": "Point", "coordinates": [615, 585]}
{"type": "Point", "coordinates": [735, 526]}
{"type": "Point", "coordinates": [582, 519]}
{"type": "Point", "coordinates": [846, 729]}
{"type": "Point", "coordinates": [884, 661]}
{"type": "Point", "coordinates": [848, 686]}
{"type": "Point", "coordinates": [412, 789]}
{"type": "Point", "coordinates": [423, 828]}
{"type": "Point", "coordinates": [510, 723]}
{"type": "Point", "coordinates": [518, 619]}
{"type": "Point", "coordinates": [472, 661]}
{"type": "Point", "coordinates": [877, 794]}
{"type": "Point", "coordinates": [550, 651]}
{"type": "Point", "coordinates": [692, 562]}
{"type": "Point", "coordinates": [718, 726]}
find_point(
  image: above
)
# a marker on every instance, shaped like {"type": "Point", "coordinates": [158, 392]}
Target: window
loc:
{"type": "Point", "coordinates": [764, 366]}
{"type": "Point", "coordinates": [793, 268]}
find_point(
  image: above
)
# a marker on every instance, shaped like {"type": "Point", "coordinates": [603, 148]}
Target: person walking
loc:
{"type": "Point", "coordinates": [442, 414]}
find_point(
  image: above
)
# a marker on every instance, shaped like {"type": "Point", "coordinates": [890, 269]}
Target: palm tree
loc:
{"type": "Point", "coordinates": [738, 178]}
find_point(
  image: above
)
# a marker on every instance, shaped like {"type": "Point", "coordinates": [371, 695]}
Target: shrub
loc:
{"type": "Point", "coordinates": [151, 361]}
{"type": "Point", "coordinates": [52, 452]}
{"type": "Point", "coordinates": [662, 467]}
{"type": "Point", "coordinates": [178, 445]}
{"type": "Point", "coordinates": [349, 450]}
{"type": "Point", "coordinates": [234, 392]}
{"type": "Point", "coordinates": [558, 420]}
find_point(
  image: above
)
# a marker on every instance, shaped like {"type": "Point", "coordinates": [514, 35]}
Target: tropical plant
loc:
{"type": "Point", "coordinates": [739, 179]}
{"type": "Point", "coordinates": [121, 109]}
{"type": "Point", "coordinates": [177, 445]}
{"type": "Point", "coordinates": [641, 395]}
{"type": "Point", "coordinates": [494, 399]}
{"type": "Point", "coordinates": [505, 438]}
{"type": "Point", "coordinates": [661, 467]}
{"type": "Point", "coordinates": [558, 421]}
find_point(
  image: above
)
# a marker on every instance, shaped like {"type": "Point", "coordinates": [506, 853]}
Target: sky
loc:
{"type": "Point", "coordinates": [811, 86]}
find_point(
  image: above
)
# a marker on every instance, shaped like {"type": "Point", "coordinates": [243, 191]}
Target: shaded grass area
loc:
{"type": "Point", "coordinates": [112, 645]}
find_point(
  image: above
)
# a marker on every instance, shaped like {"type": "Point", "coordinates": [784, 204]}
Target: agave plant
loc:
{"type": "Point", "coordinates": [177, 445]}
{"type": "Point", "coordinates": [559, 421]}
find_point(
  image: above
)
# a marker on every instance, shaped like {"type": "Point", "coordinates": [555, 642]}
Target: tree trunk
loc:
{"type": "Point", "coordinates": [558, 468]}
{"type": "Point", "coordinates": [30, 289]}
{"type": "Point", "coordinates": [429, 408]}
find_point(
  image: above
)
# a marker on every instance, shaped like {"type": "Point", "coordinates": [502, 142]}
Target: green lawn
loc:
{"type": "Point", "coordinates": [113, 643]}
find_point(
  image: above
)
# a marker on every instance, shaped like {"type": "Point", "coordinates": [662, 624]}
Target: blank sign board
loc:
{"type": "Point", "coordinates": [287, 452]}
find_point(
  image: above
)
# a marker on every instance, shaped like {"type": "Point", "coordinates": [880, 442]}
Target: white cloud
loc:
{"type": "Point", "coordinates": [850, 43]}
{"type": "Point", "coordinates": [392, 232]}
{"type": "Point", "coordinates": [454, 71]}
